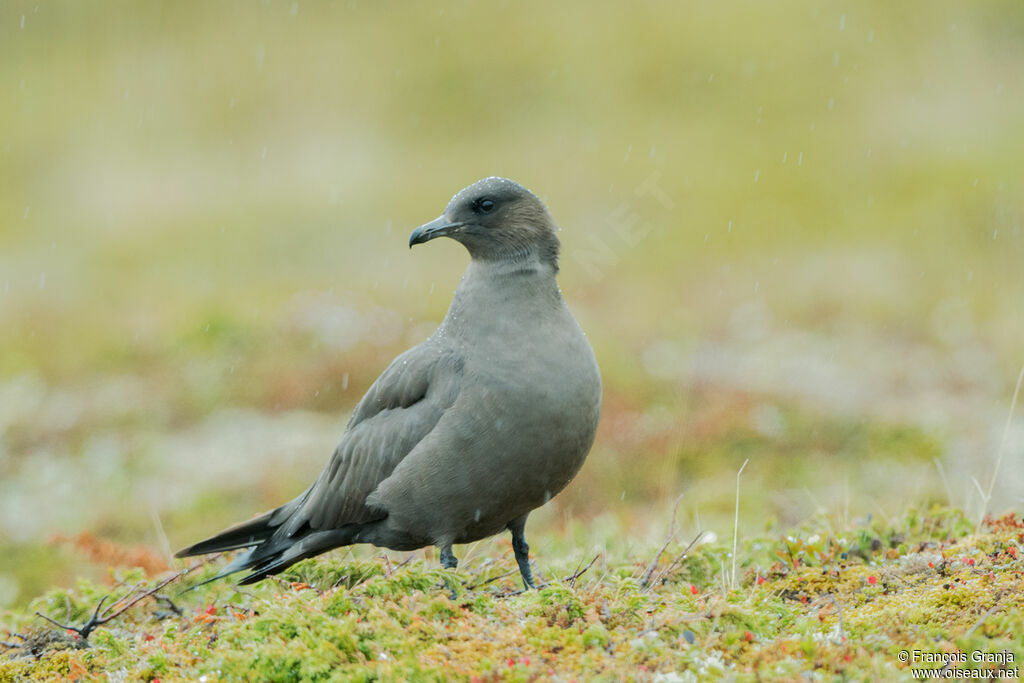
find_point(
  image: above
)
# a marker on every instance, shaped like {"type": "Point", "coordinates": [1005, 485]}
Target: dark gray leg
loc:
{"type": "Point", "coordinates": [448, 559]}
{"type": "Point", "coordinates": [521, 549]}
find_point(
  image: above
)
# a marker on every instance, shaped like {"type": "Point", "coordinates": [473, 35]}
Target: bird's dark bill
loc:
{"type": "Point", "coordinates": [438, 227]}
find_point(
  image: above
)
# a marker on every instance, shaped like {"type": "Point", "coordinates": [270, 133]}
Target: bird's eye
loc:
{"type": "Point", "coordinates": [485, 205]}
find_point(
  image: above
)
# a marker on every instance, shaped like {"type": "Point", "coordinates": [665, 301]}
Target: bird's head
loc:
{"type": "Point", "coordinates": [496, 219]}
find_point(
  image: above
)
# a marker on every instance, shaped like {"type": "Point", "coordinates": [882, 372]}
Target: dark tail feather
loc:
{"type": "Point", "coordinates": [278, 554]}
{"type": "Point", "coordinates": [244, 535]}
{"type": "Point", "coordinates": [275, 540]}
{"type": "Point", "coordinates": [236, 565]}
{"type": "Point", "coordinates": [274, 555]}
{"type": "Point", "coordinates": [247, 534]}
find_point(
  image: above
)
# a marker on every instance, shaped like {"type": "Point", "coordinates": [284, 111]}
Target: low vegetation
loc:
{"type": "Point", "coordinates": [815, 601]}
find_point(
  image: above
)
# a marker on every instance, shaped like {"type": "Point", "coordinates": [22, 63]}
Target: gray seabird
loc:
{"type": "Point", "coordinates": [466, 433]}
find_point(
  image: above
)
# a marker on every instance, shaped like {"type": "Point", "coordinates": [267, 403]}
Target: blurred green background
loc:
{"type": "Point", "coordinates": [793, 234]}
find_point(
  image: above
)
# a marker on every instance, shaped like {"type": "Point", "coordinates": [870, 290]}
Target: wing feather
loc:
{"type": "Point", "coordinates": [397, 412]}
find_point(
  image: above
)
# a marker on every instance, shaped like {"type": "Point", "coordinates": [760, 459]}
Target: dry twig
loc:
{"type": "Point", "coordinates": [129, 600]}
{"type": "Point", "coordinates": [839, 611]}
{"type": "Point", "coordinates": [986, 497]}
{"type": "Point", "coordinates": [483, 583]}
{"type": "Point", "coordinates": [675, 563]}
{"type": "Point", "coordinates": [668, 539]}
{"type": "Point", "coordinates": [581, 572]}
{"type": "Point", "coordinates": [736, 525]}
{"type": "Point", "coordinates": [570, 579]}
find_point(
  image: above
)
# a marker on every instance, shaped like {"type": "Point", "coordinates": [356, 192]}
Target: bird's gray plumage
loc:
{"type": "Point", "coordinates": [465, 434]}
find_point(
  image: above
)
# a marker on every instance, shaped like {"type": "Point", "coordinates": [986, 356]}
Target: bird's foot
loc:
{"type": "Point", "coordinates": [449, 561]}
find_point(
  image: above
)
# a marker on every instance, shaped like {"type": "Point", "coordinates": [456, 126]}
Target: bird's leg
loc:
{"type": "Point", "coordinates": [449, 561]}
{"type": "Point", "coordinates": [522, 550]}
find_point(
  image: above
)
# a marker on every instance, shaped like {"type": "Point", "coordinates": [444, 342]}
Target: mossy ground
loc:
{"type": "Point", "coordinates": [832, 606]}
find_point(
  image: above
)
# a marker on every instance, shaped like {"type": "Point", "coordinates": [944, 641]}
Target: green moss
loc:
{"type": "Point", "coordinates": [846, 617]}
{"type": "Point", "coordinates": [558, 604]}
{"type": "Point", "coordinates": [596, 636]}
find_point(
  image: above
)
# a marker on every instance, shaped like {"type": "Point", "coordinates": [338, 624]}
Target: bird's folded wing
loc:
{"type": "Point", "coordinates": [397, 412]}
